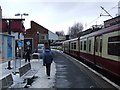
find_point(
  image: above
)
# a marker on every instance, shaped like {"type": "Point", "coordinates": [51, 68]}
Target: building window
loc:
{"type": "Point", "coordinates": [114, 45]}
{"type": "Point", "coordinates": [42, 37]}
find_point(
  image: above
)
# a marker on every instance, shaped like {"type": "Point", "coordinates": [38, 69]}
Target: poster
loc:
{"type": "Point", "coordinates": [0, 46]}
{"type": "Point", "coordinates": [9, 49]}
{"type": "Point", "coordinates": [28, 43]}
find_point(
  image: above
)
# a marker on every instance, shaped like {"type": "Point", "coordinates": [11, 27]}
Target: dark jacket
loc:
{"type": "Point", "coordinates": [47, 56]}
{"type": "Point", "coordinates": [28, 52]}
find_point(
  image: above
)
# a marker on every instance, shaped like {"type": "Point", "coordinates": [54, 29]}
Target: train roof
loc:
{"type": "Point", "coordinates": [103, 31]}
{"type": "Point", "coordinates": [107, 24]}
{"type": "Point", "coordinates": [71, 39]}
{"type": "Point", "coordinates": [112, 21]}
{"type": "Point", "coordinates": [88, 31]}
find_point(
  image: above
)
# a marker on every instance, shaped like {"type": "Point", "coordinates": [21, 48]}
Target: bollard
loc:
{"type": "Point", "coordinates": [9, 65]}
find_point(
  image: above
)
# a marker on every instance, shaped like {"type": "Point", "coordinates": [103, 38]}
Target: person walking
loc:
{"type": "Point", "coordinates": [46, 46]}
{"type": "Point", "coordinates": [27, 54]}
{"type": "Point", "coordinates": [47, 58]}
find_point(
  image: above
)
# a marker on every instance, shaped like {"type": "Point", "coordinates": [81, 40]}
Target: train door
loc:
{"type": "Point", "coordinates": [97, 49]}
{"type": "Point", "coordinates": [69, 47]}
{"type": "Point", "coordinates": [78, 47]}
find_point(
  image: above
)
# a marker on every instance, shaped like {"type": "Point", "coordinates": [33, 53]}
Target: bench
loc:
{"type": "Point", "coordinates": [8, 82]}
{"type": "Point", "coordinates": [36, 56]}
{"type": "Point", "coordinates": [27, 73]}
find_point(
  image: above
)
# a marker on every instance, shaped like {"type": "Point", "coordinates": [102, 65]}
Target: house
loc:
{"type": "Point", "coordinates": [37, 35]}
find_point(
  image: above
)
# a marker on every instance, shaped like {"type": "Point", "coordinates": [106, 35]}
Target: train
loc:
{"type": "Point", "coordinates": [99, 46]}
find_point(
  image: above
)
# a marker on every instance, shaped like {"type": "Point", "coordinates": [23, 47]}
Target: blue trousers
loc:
{"type": "Point", "coordinates": [48, 66]}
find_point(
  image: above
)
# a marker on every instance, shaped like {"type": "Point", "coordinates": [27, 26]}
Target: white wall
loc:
{"type": "Point", "coordinates": [16, 35]}
{"type": "Point", "coordinates": [52, 36]}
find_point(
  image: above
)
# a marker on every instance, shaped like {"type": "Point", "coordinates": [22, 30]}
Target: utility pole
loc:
{"type": "Point", "coordinates": [108, 14]}
{"type": "Point", "coordinates": [9, 32]}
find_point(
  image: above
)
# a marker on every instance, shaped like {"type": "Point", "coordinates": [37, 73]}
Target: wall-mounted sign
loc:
{"type": "Point", "coordinates": [20, 44]}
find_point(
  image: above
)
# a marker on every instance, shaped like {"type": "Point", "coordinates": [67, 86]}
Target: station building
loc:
{"type": "Point", "coordinates": [38, 35]}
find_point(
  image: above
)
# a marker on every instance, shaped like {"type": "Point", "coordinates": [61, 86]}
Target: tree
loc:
{"type": "Point", "coordinates": [73, 31]}
{"type": "Point", "coordinates": [60, 33]}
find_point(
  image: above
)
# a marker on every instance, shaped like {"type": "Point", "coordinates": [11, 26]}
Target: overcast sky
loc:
{"type": "Point", "coordinates": [57, 15]}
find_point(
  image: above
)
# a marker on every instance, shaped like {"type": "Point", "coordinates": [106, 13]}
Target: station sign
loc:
{"type": "Point", "coordinates": [20, 43]}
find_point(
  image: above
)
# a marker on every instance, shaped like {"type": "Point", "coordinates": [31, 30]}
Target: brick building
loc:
{"type": "Point", "coordinates": [37, 34]}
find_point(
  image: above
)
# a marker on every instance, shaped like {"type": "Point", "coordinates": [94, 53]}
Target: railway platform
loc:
{"type": "Point", "coordinates": [70, 73]}
{"type": "Point", "coordinates": [66, 72]}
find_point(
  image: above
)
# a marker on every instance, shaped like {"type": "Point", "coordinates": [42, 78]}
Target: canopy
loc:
{"type": "Point", "coordinates": [14, 25]}
{"type": "Point", "coordinates": [3, 25]}
{"type": "Point", "coordinates": [17, 26]}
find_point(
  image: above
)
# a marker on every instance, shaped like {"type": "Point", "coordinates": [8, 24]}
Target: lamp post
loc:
{"type": "Point", "coordinates": [19, 55]}
{"type": "Point", "coordinates": [37, 39]}
{"type": "Point", "coordinates": [24, 14]}
{"type": "Point", "coordinates": [18, 14]}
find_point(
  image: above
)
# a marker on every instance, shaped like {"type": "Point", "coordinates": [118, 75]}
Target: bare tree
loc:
{"type": "Point", "coordinates": [73, 31]}
{"type": "Point", "coordinates": [60, 33]}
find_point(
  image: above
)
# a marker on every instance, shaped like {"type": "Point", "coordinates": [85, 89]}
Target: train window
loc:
{"type": "Point", "coordinates": [113, 39]}
{"type": "Point", "coordinates": [81, 45]}
{"type": "Point", "coordinates": [75, 45]}
{"type": "Point", "coordinates": [96, 45]}
{"type": "Point", "coordinates": [101, 45]}
{"type": "Point", "coordinates": [84, 45]}
{"type": "Point", "coordinates": [71, 45]}
{"type": "Point", "coordinates": [114, 45]}
{"type": "Point", "coordinates": [89, 45]}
